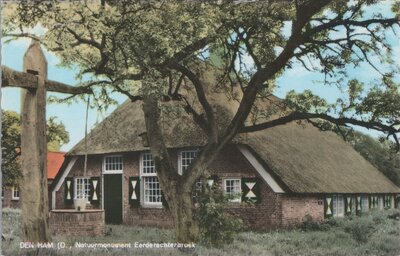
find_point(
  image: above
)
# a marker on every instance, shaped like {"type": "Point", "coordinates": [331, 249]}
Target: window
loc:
{"type": "Point", "coordinates": [185, 159]}
{"type": "Point", "coordinates": [334, 206]}
{"type": "Point", "coordinates": [392, 202]}
{"type": "Point", "coordinates": [113, 164]}
{"type": "Point", "coordinates": [380, 202]}
{"type": "Point", "coordinates": [15, 193]}
{"type": "Point", "coordinates": [388, 202]}
{"type": "Point", "coordinates": [340, 205]}
{"type": "Point", "coordinates": [151, 187]}
{"type": "Point", "coordinates": [148, 166]}
{"type": "Point", "coordinates": [233, 190]}
{"type": "Point", "coordinates": [337, 206]}
{"type": "Point", "coordinates": [365, 203]}
{"type": "Point", "coordinates": [82, 188]}
{"type": "Point", "coordinates": [320, 200]}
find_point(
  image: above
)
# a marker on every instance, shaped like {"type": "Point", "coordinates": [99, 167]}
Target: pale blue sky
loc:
{"type": "Point", "coordinates": [73, 115]}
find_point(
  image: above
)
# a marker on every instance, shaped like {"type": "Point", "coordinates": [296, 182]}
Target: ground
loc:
{"type": "Point", "coordinates": [376, 233]}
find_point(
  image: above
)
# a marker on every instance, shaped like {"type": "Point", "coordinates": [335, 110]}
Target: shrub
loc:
{"type": "Point", "coordinates": [394, 214]}
{"type": "Point", "coordinates": [333, 222]}
{"type": "Point", "coordinates": [309, 224]}
{"type": "Point", "coordinates": [217, 227]}
{"type": "Point", "coordinates": [360, 228]}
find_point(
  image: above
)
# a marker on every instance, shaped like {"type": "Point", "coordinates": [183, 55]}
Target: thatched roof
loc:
{"type": "Point", "coordinates": [304, 158]}
{"type": "Point", "coordinates": [301, 156]}
{"type": "Point", "coordinates": [308, 160]}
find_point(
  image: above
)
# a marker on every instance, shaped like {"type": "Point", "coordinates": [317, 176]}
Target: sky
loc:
{"type": "Point", "coordinates": [73, 115]}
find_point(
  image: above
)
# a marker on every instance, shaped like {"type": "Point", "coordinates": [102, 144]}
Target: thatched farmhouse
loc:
{"type": "Point", "coordinates": [288, 172]}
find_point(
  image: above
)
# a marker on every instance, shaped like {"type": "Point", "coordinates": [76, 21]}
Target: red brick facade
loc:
{"type": "Point", "coordinates": [275, 210]}
{"type": "Point", "coordinates": [88, 223]}
{"type": "Point", "coordinates": [296, 207]}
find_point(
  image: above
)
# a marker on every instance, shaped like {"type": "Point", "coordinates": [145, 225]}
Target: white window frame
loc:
{"type": "Point", "coordinates": [76, 188]}
{"type": "Point", "coordinates": [116, 171]}
{"type": "Point", "coordinates": [338, 205]}
{"type": "Point", "coordinates": [143, 177]}
{"type": "Point", "coordinates": [15, 190]}
{"type": "Point", "coordinates": [235, 200]}
{"type": "Point", "coordinates": [180, 158]}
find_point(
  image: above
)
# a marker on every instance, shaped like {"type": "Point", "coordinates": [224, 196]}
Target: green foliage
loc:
{"type": "Point", "coordinates": [360, 229]}
{"type": "Point", "coordinates": [11, 143]}
{"type": "Point", "coordinates": [121, 42]}
{"type": "Point", "coordinates": [217, 227]}
{"type": "Point", "coordinates": [306, 102]}
{"type": "Point", "coordinates": [56, 134]}
{"type": "Point", "coordinates": [124, 41]}
{"type": "Point", "coordinates": [383, 241]}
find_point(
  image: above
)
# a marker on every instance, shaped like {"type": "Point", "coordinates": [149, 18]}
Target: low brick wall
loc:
{"type": "Point", "coordinates": [77, 223]}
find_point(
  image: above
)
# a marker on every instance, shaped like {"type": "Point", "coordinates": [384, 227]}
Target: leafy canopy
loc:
{"type": "Point", "coordinates": [11, 143]}
{"type": "Point", "coordinates": [127, 46]}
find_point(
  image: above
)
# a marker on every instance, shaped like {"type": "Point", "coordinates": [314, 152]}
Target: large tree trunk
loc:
{"type": "Point", "coordinates": [177, 191]}
{"type": "Point", "coordinates": [34, 197]}
{"type": "Point", "coordinates": [182, 210]}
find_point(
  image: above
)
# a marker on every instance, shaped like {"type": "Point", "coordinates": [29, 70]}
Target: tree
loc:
{"type": "Point", "coordinates": [159, 52]}
{"type": "Point", "coordinates": [11, 143]}
{"type": "Point", "coordinates": [56, 134]}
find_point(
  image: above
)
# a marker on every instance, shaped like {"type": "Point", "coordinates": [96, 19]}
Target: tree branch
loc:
{"type": "Point", "coordinates": [198, 85]}
{"type": "Point", "coordinates": [335, 120]}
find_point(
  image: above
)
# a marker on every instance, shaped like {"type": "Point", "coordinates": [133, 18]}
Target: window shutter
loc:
{"type": "Point", "coordinates": [358, 209]}
{"type": "Point", "coordinates": [251, 190]}
{"type": "Point", "coordinates": [212, 180]}
{"type": "Point", "coordinates": [386, 202]}
{"type": "Point", "coordinates": [370, 202]}
{"type": "Point", "coordinates": [328, 206]}
{"type": "Point", "coordinates": [69, 190]}
{"type": "Point", "coordinates": [164, 201]}
{"type": "Point", "coordinates": [94, 195]}
{"type": "Point", "coordinates": [134, 191]}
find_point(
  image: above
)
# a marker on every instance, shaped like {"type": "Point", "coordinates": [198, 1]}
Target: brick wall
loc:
{"type": "Point", "coordinates": [268, 214]}
{"type": "Point", "coordinates": [88, 223]}
{"type": "Point", "coordinates": [142, 216]}
{"type": "Point", "coordinates": [296, 207]}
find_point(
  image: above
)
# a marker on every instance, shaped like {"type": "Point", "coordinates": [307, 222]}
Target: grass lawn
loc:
{"type": "Point", "coordinates": [376, 233]}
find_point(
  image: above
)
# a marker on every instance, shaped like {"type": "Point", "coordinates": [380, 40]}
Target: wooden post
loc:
{"type": "Point", "coordinates": [34, 194]}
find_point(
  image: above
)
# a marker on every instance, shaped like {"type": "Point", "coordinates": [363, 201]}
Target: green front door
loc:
{"type": "Point", "coordinates": [113, 198]}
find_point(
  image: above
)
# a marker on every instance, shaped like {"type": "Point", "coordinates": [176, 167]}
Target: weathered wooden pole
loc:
{"type": "Point", "coordinates": [34, 194]}
{"type": "Point", "coordinates": [33, 187]}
